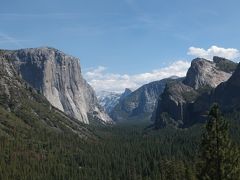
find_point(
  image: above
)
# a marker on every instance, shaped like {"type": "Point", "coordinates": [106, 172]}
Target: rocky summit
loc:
{"type": "Point", "coordinates": [58, 77]}
{"type": "Point", "coordinates": [178, 103]}
{"type": "Point", "coordinates": [226, 95]}
{"type": "Point", "coordinates": [205, 73]}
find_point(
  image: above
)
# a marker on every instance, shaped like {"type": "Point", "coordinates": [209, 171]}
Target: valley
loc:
{"type": "Point", "coordinates": [119, 90]}
{"type": "Point", "coordinates": [125, 151]}
{"type": "Point", "coordinates": [54, 126]}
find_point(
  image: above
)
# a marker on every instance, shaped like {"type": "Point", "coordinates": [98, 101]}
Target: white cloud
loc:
{"type": "Point", "coordinates": [100, 79]}
{"type": "Point", "coordinates": [229, 53]}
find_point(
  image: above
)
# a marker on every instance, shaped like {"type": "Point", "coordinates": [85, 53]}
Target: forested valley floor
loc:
{"type": "Point", "coordinates": [123, 151]}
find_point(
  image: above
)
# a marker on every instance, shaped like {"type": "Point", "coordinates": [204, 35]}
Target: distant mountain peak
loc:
{"type": "Point", "coordinates": [139, 104]}
{"type": "Point", "coordinates": [225, 64]}
{"type": "Point", "coordinates": [127, 90]}
{"type": "Point", "coordinates": [125, 93]}
{"type": "Point", "coordinates": [218, 59]}
{"type": "Point", "coordinates": [205, 73]}
{"type": "Point", "coordinates": [108, 100]}
{"type": "Point", "coordinates": [173, 77]}
{"type": "Point", "coordinates": [176, 103]}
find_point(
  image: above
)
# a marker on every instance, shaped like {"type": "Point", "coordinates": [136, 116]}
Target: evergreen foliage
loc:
{"type": "Point", "coordinates": [219, 157]}
{"type": "Point", "coordinates": [37, 145]}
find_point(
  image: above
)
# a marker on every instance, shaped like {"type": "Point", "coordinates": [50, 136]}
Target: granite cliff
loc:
{"type": "Point", "coordinates": [178, 103]}
{"type": "Point", "coordinates": [140, 104]}
{"type": "Point", "coordinates": [24, 110]}
{"type": "Point", "coordinates": [58, 77]}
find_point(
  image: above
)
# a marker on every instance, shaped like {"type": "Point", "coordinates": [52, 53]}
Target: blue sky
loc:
{"type": "Point", "coordinates": [122, 37]}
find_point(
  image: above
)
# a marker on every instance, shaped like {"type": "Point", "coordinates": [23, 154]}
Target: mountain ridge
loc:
{"type": "Point", "coordinates": [108, 100]}
{"type": "Point", "coordinates": [140, 104]}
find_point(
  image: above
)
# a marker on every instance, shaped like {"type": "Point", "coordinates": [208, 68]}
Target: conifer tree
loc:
{"type": "Point", "coordinates": [219, 158]}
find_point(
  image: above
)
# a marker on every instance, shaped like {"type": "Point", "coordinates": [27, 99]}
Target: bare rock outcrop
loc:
{"type": "Point", "coordinates": [139, 104]}
{"type": "Point", "coordinates": [183, 101]}
{"type": "Point", "coordinates": [58, 77]}
{"type": "Point", "coordinates": [205, 73]}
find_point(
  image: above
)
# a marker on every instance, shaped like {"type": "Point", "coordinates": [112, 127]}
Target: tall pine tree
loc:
{"type": "Point", "coordinates": [219, 158]}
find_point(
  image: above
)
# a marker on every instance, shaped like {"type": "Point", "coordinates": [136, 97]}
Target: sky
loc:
{"type": "Point", "coordinates": [125, 43]}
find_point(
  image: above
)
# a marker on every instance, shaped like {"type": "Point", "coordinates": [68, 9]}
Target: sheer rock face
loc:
{"type": "Point", "coordinates": [58, 77]}
{"type": "Point", "coordinates": [184, 100]}
{"type": "Point", "coordinates": [139, 104]}
{"type": "Point", "coordinates": [173, 104]}
{"type": "Point", "coordinates": [227, 94]}
{"type": "Point", "coordinates": [28, 110]}
{"type": "Point", "coordinates": [205, 73]}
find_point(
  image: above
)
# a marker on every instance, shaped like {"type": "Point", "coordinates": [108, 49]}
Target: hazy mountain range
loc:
{"type": "Point", "coordinates": [56, 78]}
{"type": "Point", "coordinates": [108, 100]}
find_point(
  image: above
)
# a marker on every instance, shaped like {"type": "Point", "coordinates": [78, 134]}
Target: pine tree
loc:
{"type": "Point", "coordinates": [219, 158]}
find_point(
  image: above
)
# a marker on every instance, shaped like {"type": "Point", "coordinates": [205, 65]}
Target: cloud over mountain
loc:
{"type": "Point", "coordinates": [100, 79]}
{"type": "Point", "coordinates": [229, 53]}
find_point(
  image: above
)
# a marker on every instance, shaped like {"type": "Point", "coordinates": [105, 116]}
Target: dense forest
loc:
{"type": "Point", "coordinates": [123, 151]}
